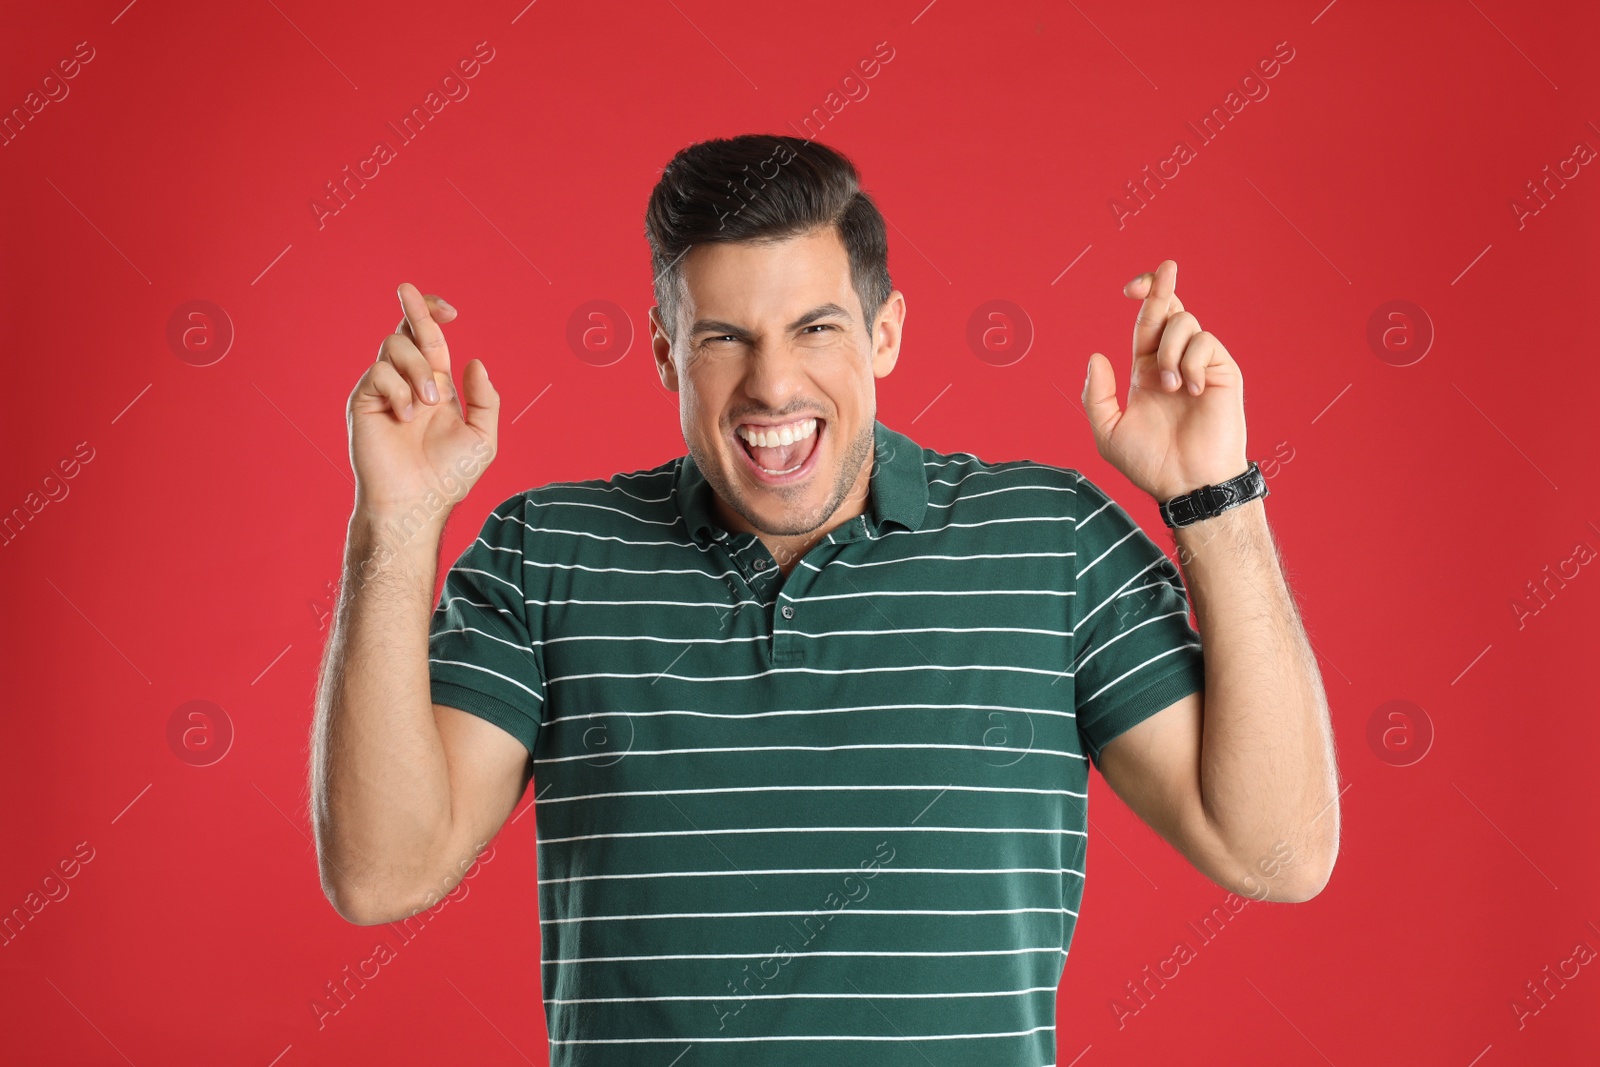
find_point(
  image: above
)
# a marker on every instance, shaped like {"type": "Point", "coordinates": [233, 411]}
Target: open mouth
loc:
{"type": "Point", "coordinates": [780, 454]}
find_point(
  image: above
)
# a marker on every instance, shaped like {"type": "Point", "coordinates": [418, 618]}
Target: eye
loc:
{"type": "Point", "coordinates": [820, 326]}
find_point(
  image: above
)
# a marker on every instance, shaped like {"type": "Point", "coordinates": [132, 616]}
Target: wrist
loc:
{"type": "Point", "coordinates": [1198, 542]}
{"type": "Point", "coordinates": [414, 518]}
{"type": "Point", "coordinates": [1239, 515]}
{"type": "Point", "coordinates": [380, 542]}
{"type": "Point", "coordinates": [1193, 480]}
{"type": "Point", "coordinates": [1213, 499]}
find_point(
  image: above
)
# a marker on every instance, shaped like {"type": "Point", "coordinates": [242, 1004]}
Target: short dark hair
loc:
{"type": "Point", "coordinates": [763, 187]}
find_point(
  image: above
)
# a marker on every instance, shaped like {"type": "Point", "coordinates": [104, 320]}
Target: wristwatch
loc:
{"type": "Point", "coordinates": [1211, 500]}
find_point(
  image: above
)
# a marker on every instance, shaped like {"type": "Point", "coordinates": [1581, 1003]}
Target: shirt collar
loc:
{"type": "Point", "coordinates": [898, 490]}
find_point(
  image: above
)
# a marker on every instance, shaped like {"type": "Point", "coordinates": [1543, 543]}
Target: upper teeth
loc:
{"type": "Point", "coordinates": [783, 435]}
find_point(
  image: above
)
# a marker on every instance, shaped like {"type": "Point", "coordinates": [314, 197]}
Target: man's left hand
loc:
{"type": "Point", "coordinates": [1184, 424]}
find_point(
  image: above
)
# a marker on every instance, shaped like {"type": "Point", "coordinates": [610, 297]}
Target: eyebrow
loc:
{"type": "Point", "coordinates": [717, 326]}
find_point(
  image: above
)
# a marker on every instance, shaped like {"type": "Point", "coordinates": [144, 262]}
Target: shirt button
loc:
{"type": "Point", "coordinates": [761, 564]}
{"type": "Point", "coordinates": [788, 612]}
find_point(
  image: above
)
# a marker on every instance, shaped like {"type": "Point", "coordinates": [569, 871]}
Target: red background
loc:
{"type": "Point", "coordinates": [192, 556]}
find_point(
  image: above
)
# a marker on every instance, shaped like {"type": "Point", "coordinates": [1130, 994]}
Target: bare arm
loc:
{"type": "Point", "coordinates": [1242, 782]}
{"type": "Point", "coordinates": [404, 792]}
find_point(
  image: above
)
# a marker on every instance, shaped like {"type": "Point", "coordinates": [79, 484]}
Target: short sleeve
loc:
{"type": "Point", "coordinates": [1134, 650]}
{"type": "Point", "coordinates": [483, 654]}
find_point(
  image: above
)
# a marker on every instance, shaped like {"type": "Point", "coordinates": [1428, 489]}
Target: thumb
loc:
{"type": "Point", "coordinates": [480, 401]}
{"type": "Point", "coordinates": [1100, 397]}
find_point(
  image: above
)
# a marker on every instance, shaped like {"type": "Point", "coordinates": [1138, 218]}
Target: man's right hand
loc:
{"type": "Point", "coordinates": [408, 435]}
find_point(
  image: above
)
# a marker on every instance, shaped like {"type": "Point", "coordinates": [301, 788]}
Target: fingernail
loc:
{"type": "Point", "coordinates": [1194, 387]}
{"type": "Point", "coordinates": [1169, 380]}
{"type": "Point", "coordinates": [430, 393]}
{"type": "Point", "coordinates": [407, 413]}
{"type": "Point", "coordinates": [446, 304]}
{"type": "Point", "coordinates": [1131, 284]}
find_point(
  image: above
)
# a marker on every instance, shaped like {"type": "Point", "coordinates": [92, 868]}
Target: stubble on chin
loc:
{"type": "Point", "coordinates": [849, 470]}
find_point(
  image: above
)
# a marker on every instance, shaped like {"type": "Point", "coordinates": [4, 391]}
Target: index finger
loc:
{"type": "Point", "coordinates": [1159, 305]}
{"type": "Point", "coordinates": [424, 329]}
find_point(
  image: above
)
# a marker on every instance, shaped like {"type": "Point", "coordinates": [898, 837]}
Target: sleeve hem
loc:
{"type": "Point", "coordinates": [508, 717]}
{"type": "Point", "coordinates": [1157, 695]}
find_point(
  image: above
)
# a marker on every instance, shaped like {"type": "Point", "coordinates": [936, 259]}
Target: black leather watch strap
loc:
{"type": "Point", "coordinates": [1211, 500]}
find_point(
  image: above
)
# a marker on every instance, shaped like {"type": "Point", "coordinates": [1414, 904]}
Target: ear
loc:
{"type": "Point", "coordinates": [886, 334]}
{"type": "Point", "coordinates": [661, 348]}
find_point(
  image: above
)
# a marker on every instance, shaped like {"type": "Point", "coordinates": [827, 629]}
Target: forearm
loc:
{"type": "Point", "coordinates": [1268, 779]}
{"type": "Point", "coordinates": [379, 777]}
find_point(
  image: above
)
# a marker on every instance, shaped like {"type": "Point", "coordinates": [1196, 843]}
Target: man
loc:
{"type": "Point", "coordinates": [811, 708]}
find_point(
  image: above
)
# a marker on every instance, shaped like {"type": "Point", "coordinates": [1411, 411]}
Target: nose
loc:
{"type": "Point", "coordinates": [774, 377]}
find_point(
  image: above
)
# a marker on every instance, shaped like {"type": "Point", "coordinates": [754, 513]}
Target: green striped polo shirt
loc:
{"type": "Point", "coordinates": [835, 814]}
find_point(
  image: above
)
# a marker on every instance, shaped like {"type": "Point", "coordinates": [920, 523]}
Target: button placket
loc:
{"type": "Point", "coordinates": [732, 578]}
{"type": "Point", "coordinates": [787, 648]}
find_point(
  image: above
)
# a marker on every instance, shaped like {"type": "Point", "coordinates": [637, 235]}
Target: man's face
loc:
{"type": "Point", "coordinates": [770, 335]}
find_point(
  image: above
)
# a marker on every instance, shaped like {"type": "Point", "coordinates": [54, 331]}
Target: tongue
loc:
{"type": "Point", "coordinates": [782, 457]}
